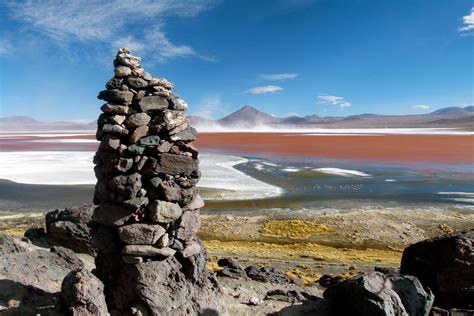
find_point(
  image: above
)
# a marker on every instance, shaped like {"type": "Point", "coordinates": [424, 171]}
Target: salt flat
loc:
{"type": "Point", "coordinates": [75, 167]}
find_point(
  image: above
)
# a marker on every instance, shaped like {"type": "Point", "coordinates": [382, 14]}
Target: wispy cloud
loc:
{"type": "Point", "coordinates": [105, 22]}
{"type": "Point", "coordinates": [334, 100]}
{"type": "Point", "coordinates": [5, 48]}
{"type": "Point", "coordinates": [264, 89]}
{"type": "Point", "coordinates": [468, 23]}
{"type": "Point", "coordinates": [211, 107]}
{"type": "Point", "coordinates": [421, 107]}
{"type": "Point", "coordinates": [278, 77]}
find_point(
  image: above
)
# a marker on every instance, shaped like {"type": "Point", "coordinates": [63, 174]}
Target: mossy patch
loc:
{"type": "Point", "coordinates": [306, 251]}
{"type": "Point", "coordinates": [294, 229]}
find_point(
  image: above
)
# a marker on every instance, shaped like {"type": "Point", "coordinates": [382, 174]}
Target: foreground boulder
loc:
{"type": "Point", "coordinates": [446, 266]}
{"type": "Point", "coordinates": [69, 228]}
{"type": "Point", "coordinates": [379, 294]}
{"type": "Point", "coordinates": [30, 277]}
{"type": "Point", "coordinates": [83, 293]}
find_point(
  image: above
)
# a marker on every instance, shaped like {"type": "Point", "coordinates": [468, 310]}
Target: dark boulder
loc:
{"type": "Point", "coordinates": [378, 294]}
{"type": "Point", "coordinates": [446, 266]}
{"type": "Point", "coordinates": [83, 294]}
{"type": "Point", "coordinates": [69, 228]}
{"type": "Point", "coordinates": [266, 274]}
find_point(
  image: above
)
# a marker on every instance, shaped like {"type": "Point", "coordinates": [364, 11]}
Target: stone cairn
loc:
{"type": "Point", "coordinates": [145, 225]}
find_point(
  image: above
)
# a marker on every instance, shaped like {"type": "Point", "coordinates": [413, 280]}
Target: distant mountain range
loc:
{"type": "Point", "coordinates": [249, 117]}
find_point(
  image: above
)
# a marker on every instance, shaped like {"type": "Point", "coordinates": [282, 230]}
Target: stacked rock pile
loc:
{"type": "Point", "coordinates": [147, 217]}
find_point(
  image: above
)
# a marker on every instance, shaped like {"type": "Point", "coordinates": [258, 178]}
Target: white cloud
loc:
{"type": "Point", "coordinates": [334, 100]}
{"type": "Point", "coordinates": [100, 22]}
{"type": "Point", "coordinates": [468, 22]}
{"type": "Point", "coordinates": [278, 77]}
{"type": "Point", "coordinates": [421, 107]}
{"type": "Point", "coordinates": [5, 47]}
{"type": "Point", "coordinates": [211, 107]}
{"type": "Point", "coordinates": [264, 89]}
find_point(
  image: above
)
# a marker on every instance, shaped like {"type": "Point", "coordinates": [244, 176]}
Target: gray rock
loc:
{"type": "Point", "coordinates": [152, 103]}
{"type": "Point", "coordinates": [135, 149]}
{"type": "Point", "coordinates": [128, 60]}
{"type": "Point", "coordinates": [147, 251]}
{"type": "Point", "coordinates": [164, 146]}
{"type": "Point", "coordinates": [191, 250]}
{"type": "Point", "coordinates": [187, 135]}
{"type": "Point", "coordinates": [266, 274]}
{"type": "Point", "coordinates": [69, 228]}
{"type": "Point", "coordinates": [115, 109]}
{"type": "Point", "coordinates": [172, 192]}
{"type": "Point", "coordinates": [136, 83]}
{"type": "Point", "coordinates": [169, 119]}
{"type": "Point", "coordinates": [140, 234]}
{"type": "Point", "coordinates": [189, 225]}
{"type": "Point", "coordinates": [122, 71]}
{"type": "Point", "coordinates": [111, 214]}
{"type": "Point", "coordinates": [114, 129]}
{"type": "Point", "coordinates": [116, 164]}
{"type": "Point", "coordinates": [115, 96]}
{"type": "Point", "coordinates": [135, 203]}
{"type": "Point", "coordinates": [290, 296]}
{"type": "Point", "coordinates": [178, 104]}
{"type": "Point", "coordinates": [132, 259]}
{"type": "Point", "coordinates": [164, 212]}
{"type": "Point", "coordinates": [152, 140]}
{"type": "Point", "coordinates": [378, 294]}
{"type": "Point", "coordinates": [35, 267]}
{"type": "Point", "coordinates": [196, 203]}
{"type": "Point", "coordinates": [137, 119]}
{"type": "Point", "coordinates": [161, 82]}
{"type": "Point", "coordinates": [232, 273]}
{"type": "Point", "coordinates": [446, 266]}
{"type": "Point", "coordinates": [114, 83]}
{"type": "Point", "coordinates": [139, 132]}
{"type": "Point", "coordinates": [229, 263]}
{"type": "Point", "coordinates": [83, 293]}
{"type": "Point", "coordinates": [110, 142]}
{"type": "Point", "coordinates": [155, 182]}
{"type": "Point", "coordinates": [165, 290]}
{"type": "Point", "coordinates": [127, 186]}
{"type": "Point", "coordinates": [163, 241]}
{"type": "Point", "coordinates": [175, 164]}
{"type": "Point", "coordinates": [117, 119]}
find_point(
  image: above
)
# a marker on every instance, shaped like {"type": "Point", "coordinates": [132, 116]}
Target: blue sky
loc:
{"type": "Point", "coordinates": [283, 57]}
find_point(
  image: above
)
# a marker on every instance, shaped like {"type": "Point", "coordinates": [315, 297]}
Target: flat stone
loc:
{"type": "Point", "coordinates": [152, 103]}
{"type": "Point", "coordinates": [137, 119]}
{"type": "Point", "coordinates": [128, 60]}
{"type": "Point", "coordinates": [127, 186]}
{"type": "Point", "coordinates": [164, 212]}
{"type": "Point", "coordinates": [84, 294]}
{"type": "Point", "coordinates": [169, 119]}
{"type": "Point", "coordinates": [117, 119]}
{"type": "Point", "coordinates": [115, 109]}
{"type": "Point", "coordinates": [114, 83]}
{"type": "Point", "coordinates": [135, 203]}
{"type": "Point", "coordinates": [161, 82]}
{"type": "Point", "coordinates": [147, 251]}
{"type": "Point", "coordinates": [187, 135]}
{"type": "Point", "coordinates": [136, 83]}
{"type": "Point", "coordinates": [196, 203]}
{"type": "Point", "coordinates": [164, 146]}
{"type": "Point", "coordinates": [122, 71]}
{"type": "Point", "coordinates": [139, 132]}
{"type": "Point", "coordinates": [175, 164]}
{"type": "Point", "coordinates": [111, 214]}
{"type": "Point", "coordinates": [138, 72]}
{"type": "Point", "coordinates": [163, 241]}
{"type": "Point", "coordinates": [189, 225]}
{"type": "Point", "coordinates": [152, 140]}
{"type": "Point", "coordinates": [115, 96]}
{"type": "Point", "coordinates": [180, 128]}
{"type": "Point", "coordinates": [170, 191]}
{"type": "Point", "coordinates": [191, 250]}
{"type": "Point", "coordinates": [114, 129]}
{"type": "Point", "coordinates": [135, 149]}
{"type": "Point", "coordinates": [140, 234]}
{"type": "Point", "coordinates": [155, 182]}
{"type": "Point", "coordinates": [131, 259]}
{"type": "Point", "coordinates": [110, 142]}
{"type": "Point", "coordinates": [178, 104]}
{"type": "Point", "coordinates": [115, 163]}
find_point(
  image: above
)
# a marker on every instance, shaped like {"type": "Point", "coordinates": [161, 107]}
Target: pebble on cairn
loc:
{"type": "Point", "coordinates": [147, 217]}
